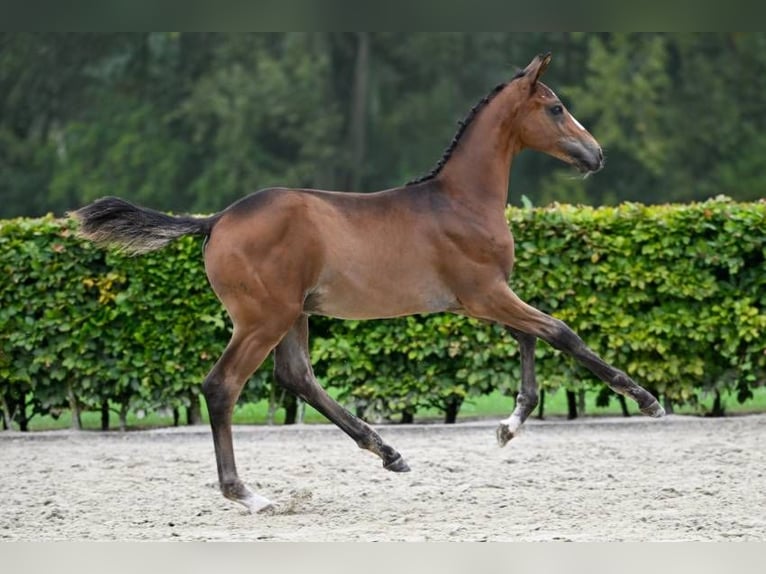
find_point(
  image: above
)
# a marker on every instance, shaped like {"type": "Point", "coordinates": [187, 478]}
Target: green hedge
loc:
{"type": "Point", "coordinates": [81, 326]}
{"type": "Point", "coordinates": [674, 295]}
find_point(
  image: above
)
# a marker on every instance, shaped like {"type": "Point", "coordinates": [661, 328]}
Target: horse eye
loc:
{"type": "Point", "coordinates": [557, 110]}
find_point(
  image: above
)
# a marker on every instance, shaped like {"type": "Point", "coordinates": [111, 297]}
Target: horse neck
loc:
{"type": "Point", "coordinates": [479, 170]}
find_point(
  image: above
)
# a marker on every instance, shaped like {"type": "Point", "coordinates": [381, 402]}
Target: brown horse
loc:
{"type": "Point", "coordinates": [440, 243]}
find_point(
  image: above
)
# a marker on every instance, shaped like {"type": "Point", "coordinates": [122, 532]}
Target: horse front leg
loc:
{"type": "Point", "coordinates": [526, 399]}
{"type": "Point", "coordinates": [501, 305]}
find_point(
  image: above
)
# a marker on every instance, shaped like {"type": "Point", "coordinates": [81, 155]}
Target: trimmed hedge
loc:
{"type": "Point", "coordinates": [675, 295]}
{"type": "Point", "coordinates": [81, 326]}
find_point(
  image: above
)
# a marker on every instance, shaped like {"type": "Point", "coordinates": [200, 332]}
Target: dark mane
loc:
{"type": "Point", "coordinates": [462, 127]}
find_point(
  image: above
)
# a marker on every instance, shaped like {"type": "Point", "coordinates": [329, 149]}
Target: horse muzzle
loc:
{"type": "Point", "coordinates": [586, 157]}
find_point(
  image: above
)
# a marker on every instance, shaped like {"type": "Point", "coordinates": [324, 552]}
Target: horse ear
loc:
{"type": "Point", "coordinates": [536, 68]}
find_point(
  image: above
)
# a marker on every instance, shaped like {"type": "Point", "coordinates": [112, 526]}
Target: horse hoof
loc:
{"type": "Point", "coordinates": [397, 465]}
{"type": "Point", "coordinates": [237, 491]}
{"type": "Point", "coordinates": [256, 504]}
{"type": "Point", "coordinates": [654, 410]}
{"type": "Point", "coordinates": [504, 434]}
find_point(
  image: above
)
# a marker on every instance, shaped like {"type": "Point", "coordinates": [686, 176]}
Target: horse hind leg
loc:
{"type": "Point", "coordinates": [292, 370]}
{"type": "Point", "coordinates": [221, 389]}
{"type": "Point", "coordinates": [527, 398]}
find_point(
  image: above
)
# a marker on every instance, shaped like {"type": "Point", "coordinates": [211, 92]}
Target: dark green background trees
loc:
{"type": "Point", "coordinates": [190, 122]}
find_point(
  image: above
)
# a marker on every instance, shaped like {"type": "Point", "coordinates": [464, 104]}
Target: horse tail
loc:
{"type": "Point", "coordinates": [111, 221]}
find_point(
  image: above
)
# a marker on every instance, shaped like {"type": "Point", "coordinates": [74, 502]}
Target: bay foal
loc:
{"type": "Point", "coordinates": [440, 243]}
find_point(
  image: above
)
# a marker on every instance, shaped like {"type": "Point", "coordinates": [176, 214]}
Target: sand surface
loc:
{"type": "Point", "coordinates": [679, 478]}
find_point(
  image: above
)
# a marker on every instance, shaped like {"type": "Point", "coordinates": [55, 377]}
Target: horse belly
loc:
{"type": "Point", "coordinates": [346, 297]}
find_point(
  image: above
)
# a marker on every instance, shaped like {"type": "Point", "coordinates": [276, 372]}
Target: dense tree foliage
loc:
{"type": "Point", "coordinates": [189, 122]}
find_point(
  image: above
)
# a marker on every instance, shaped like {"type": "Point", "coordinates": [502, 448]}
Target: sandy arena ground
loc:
{"type": "Point", "coordinates": [679, 478]}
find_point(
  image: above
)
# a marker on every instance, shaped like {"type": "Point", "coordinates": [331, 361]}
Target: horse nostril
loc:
{"type": "Point", "coordinates": [600, 156]}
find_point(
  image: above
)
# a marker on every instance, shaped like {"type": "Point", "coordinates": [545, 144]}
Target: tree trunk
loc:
{"type": "Point", "coordinates": [23, 420]}
{"type": "Point", "coordinates": [581, 401]}
{"type": "Point", "coordinates": [541, 405]}
{"type": "Point", "coordinates": [104, 415]}
{"type": "Point", "coordinates": [301, 411]}
{"type": "Point", "coordinates": [291, 408]}
{"type": "Point", "coordinates": [668, 404]}
{"type": "Point", "coordinates": [623, 405]}
{"type": "Point", "coordinates": [571, 405]}
{"type": "Point", "coordinates": [74, 406]}
{"type": "Point", "coordinates": [360, 410]}
{"type": "Point", "coordinates": [272, 404]}
{"type": "Point", "coordinates": [358, 125]}
{"type": "Point", "coordinates": [453, 407]}
{"type": "Point", "coordinates": [176, 417]}
{"type": "Point", "coordinates": [407, 418]}
{"type": "Point", "coordinates": [193, 411]}
{"type": "Point", "coordinates": [124, 417]}
{"type": "Point", "coordinates": [718, 409]}
{"type": "Point", "coordinates": [7, 414]}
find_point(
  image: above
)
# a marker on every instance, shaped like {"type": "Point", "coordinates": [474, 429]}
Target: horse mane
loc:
{"type": "Point", "coordinates": [462, 127]}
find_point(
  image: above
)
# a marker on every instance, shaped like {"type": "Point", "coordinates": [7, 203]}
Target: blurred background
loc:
{"type": "Point", "coordinates": [193, 121]}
